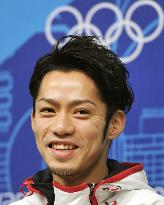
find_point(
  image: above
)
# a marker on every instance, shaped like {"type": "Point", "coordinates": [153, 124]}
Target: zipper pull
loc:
{"type": "Point", "coordinates": [91, 186]}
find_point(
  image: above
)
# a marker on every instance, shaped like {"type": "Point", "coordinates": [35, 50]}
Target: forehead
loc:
{"type": "Point", "coordinates": [73, 83]}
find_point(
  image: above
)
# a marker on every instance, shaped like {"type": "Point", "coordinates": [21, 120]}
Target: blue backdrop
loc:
{"type": "Point", "coordinates": [134, 29]}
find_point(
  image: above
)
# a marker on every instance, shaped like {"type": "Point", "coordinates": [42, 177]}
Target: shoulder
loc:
{"type": "Point", "coordinates": [146, 197]}
{"type": "Point", "coordinates": [34, 199]}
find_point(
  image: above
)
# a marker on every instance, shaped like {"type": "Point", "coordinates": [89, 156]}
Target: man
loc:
{"type": "Point", "coordinates": [80, 96]}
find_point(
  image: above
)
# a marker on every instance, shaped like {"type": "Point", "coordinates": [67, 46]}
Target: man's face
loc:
{"type": "Point", "coordinates": [68, 123]}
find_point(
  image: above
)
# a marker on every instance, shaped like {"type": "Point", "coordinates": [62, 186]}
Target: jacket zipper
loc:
{"type": "Point", "coordinates": [91, 186]}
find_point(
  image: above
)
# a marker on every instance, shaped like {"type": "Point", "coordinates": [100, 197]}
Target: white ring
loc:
{"type": "Point", "coordinates": [109, 6]}
{"type": "Point", "coordinates": [89, 28]}
{"type": "Point", "coordinates": [160, 24]}
{"type": "Point", "coordinates": [108, 36]}
{"type": "Point", "coordinates": [76, 29]}
{"type": "Point", "coordinates": [139, 47]}
{"type": "Point", "coordinates": [79, 28]}
{"type": "Point", "coordinates": [56, 12]}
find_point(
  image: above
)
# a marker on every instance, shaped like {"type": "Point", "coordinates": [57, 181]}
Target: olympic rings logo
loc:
{"type": "Point", "coordinates": [115, 30]}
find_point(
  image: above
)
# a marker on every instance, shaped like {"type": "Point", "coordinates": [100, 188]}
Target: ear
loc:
{"type": "Point", "coordinates": [116, 124]}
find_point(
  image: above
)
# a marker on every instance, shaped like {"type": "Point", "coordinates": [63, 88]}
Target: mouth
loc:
{"type": "Point", "coordinates": [63, 151]}
{"type": "Point", "coordinates": [63, 147]}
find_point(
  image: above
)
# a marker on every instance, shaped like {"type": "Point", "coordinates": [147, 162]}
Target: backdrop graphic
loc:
{"type": "Point", "coordinates": [134, 29]}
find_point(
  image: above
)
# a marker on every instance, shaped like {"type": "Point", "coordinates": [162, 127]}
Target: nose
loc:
{"type": "Point", "coordinates": [62, 125]}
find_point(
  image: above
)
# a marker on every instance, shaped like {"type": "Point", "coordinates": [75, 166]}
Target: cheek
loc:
{"type": "Point", "coordinates": [40, 125]}
{"type": "Point", "coordinates": [95, 125]}
{"type": "Point", "coordinates": [91, 132]}
{"type": "Point", "coordinates": [40, 129]}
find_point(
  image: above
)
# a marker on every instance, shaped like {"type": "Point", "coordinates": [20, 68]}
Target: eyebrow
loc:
{"type": "Point", "coordinates": [73, 103]}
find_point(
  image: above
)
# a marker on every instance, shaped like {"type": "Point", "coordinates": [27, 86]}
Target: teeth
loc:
{"type": "Point", "coordinates": [70, 147]}
{"type": "Point", "coordinates": [66, 146]}
{"type": "Point", "coordinates": [63, 147]}
{"type": "Point", "coordinates": [60, 146]}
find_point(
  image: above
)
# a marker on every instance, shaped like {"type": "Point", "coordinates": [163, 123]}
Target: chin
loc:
{"type": "Point", "coordinates": [64, 172]}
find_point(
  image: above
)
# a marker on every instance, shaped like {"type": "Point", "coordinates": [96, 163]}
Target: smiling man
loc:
{"type": "Point", "coordinates": [80, 97]}
{"type": "Point", "coordinates": [68, 122]}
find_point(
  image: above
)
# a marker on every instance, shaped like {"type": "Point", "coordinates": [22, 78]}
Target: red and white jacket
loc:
{"type": "Point", "coordinates": [128, 187]}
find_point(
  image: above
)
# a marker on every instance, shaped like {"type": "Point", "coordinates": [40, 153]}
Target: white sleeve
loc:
{"type": "Point", "coordinates": [148, 197]}
{"type": "Point", "coordinates": [31, 200]}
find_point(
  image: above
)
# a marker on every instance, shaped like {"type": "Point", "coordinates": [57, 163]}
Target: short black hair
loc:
{"type": "Point", "coordinates": [86, 54]}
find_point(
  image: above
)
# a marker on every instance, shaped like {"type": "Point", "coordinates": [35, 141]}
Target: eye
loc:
{"type": "Point", "coordinates": [47, 110]}
{"type": "Point", "coordinates": [82, 114]}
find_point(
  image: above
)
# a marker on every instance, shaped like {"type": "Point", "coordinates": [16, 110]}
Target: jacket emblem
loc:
{"type": "Point", "coordinates": [112, 188]}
